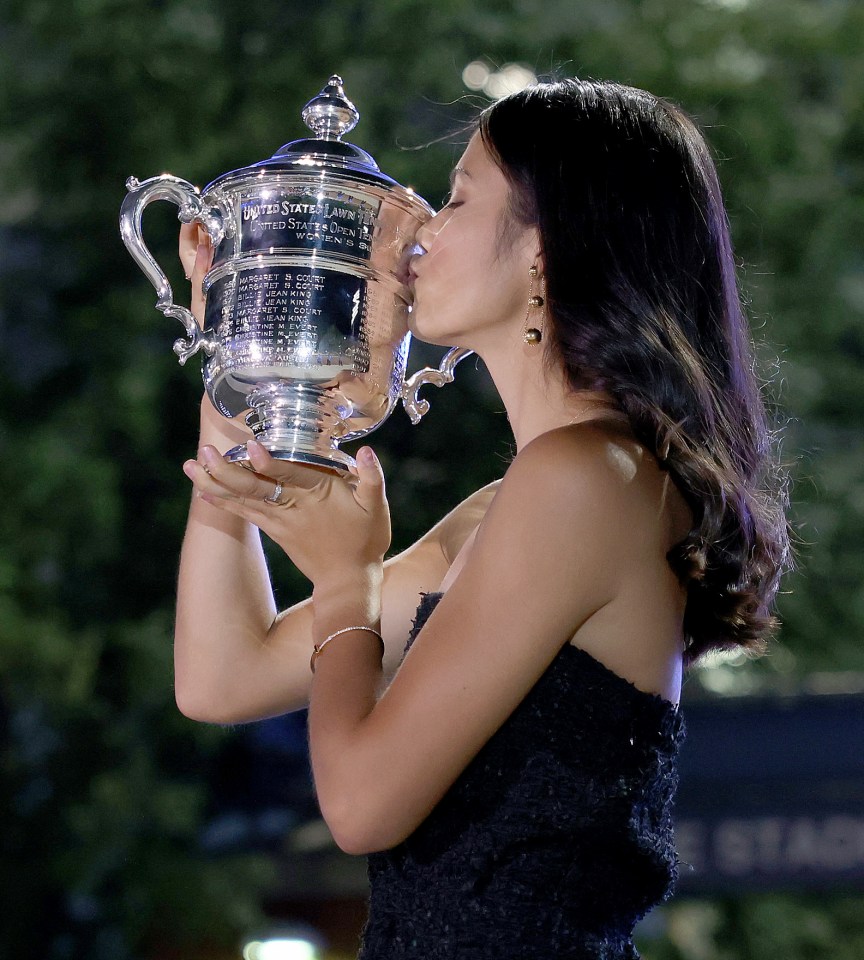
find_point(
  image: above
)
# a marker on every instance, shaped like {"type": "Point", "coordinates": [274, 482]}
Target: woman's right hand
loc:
{"type": "Point", "coordinates": [196, 255]}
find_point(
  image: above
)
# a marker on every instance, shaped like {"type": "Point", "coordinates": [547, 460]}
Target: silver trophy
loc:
{"type": "Point", "coordinates": [306, 304]}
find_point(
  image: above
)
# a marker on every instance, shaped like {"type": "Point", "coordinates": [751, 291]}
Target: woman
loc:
{"type": "Point", "coordinates": [511, 778]}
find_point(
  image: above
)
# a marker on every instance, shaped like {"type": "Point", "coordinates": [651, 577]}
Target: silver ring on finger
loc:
{"type": "Point", "coordinates": [276, 495]}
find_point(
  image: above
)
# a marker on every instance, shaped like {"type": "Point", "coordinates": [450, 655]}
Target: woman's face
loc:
{"type": "Point", "coordinates": [470, 289]}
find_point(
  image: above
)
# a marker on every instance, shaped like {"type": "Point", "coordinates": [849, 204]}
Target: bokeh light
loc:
{"type": "Point", "coordinates": [281, 948]}
{"type": "Point", "coordinates": [497, 83]}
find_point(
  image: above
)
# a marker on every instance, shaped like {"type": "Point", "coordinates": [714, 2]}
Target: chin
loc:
{"type": "Point", "coordinates": [427, 332]}
{"type": "Point", "coordinates": [436, 339]}
{"type": "Point", "coordinates": [428, 338]}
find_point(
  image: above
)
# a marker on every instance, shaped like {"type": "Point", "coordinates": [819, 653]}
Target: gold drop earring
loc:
{"type": "Point", "coordinates": [533, 335]}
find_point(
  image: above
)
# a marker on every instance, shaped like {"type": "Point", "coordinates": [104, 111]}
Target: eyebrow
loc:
{"type": "Point", "coordinates": [455, 172]}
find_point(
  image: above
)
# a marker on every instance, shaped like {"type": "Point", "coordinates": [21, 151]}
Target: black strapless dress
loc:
{"type": "Point", "coordinates": [554, 840]}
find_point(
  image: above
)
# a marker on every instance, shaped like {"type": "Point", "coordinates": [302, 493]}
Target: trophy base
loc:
{"type": "Point", "coordinates": [287, 418]}
{"type": "Point", "coordinates": [336, 460]}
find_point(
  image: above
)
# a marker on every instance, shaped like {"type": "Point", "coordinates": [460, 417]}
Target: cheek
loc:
{"type": "Point", "coordinates": [464, 284]}
{"type": "Point", "coordinates": [462, 260]}
{"type": "Point", "coordinates": [471, 297]}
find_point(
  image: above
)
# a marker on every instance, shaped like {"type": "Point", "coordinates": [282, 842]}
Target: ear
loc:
{"type": "Point", "coordinates": [539, 259]}
{"type": "Point", "coordinates": [533, 249]}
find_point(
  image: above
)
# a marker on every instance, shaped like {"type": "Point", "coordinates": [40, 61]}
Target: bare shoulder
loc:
{"type": "Point", "coordinates": [584, 503]}
{"type": "Point", "coordinates": [568, 512]}
{"type": "Point", "coordinates": [595, 471]}
{"type": "Point", "coordinates": [584, 520]}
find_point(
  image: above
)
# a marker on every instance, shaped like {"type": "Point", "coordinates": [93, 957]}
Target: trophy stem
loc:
{"type": "Point", "coordinates": [290, 419]}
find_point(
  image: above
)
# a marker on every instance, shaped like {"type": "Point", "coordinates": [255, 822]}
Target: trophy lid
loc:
{"type": "Point", "coordinates": [328, 115]}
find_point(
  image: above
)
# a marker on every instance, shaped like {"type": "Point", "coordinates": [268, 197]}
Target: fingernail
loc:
{"type": "Point", "coordinates": [189, 469]}
{"type": "Point", "coordinates": [367, 455]}
{"type": "Point", "coordinates": [210, 455]}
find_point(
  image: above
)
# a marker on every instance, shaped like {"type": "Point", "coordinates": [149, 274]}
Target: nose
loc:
{"type": "Point", "coordinates": [430, 229]}
{"type": "Point", "coordinates": [425, 234]}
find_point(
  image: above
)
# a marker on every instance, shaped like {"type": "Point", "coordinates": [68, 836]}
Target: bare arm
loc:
{"type": "Point", "coordinates": [235, 659]}
{"type": "Point", "coordinates": [225, 606]}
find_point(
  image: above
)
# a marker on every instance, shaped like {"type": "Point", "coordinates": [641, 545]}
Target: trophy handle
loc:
{"type": "Point", "coordinates": [192, 208]}
{"type": "Point", "coordinates": [414, 406]}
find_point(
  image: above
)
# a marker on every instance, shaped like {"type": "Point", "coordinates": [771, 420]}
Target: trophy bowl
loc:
{"type": "Point", "coordinates": [306, 307]}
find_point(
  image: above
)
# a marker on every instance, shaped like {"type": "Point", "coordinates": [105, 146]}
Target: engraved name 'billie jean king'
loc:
{"type": "Point", "coordinates": [306, 306]}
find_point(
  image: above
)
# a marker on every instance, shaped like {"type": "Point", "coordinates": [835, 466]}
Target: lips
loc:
{"type": "Point", "coordinates": [405, 276]}
{"type": "Point", "coordinates": [405, 271]}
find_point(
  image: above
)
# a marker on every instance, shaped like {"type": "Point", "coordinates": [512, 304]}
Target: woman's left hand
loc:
{"type": "Point", "coordinates": [330, 526]}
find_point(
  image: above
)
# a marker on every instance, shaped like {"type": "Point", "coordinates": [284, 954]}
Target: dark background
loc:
{"type": "Point", "coordinates": [110, 794]}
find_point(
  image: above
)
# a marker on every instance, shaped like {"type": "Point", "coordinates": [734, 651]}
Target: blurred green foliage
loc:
{"type": "Point", "coordinates": [103, 779]}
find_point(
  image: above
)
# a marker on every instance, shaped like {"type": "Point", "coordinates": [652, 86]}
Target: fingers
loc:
{"type": "Point", "coordinates": [215, 477]}
{"type": "Point", "coordinates": [196, 255]}
{"type": "Point", "coordinates": [301, 476]}
{"type": "Point", "coordinates": [316, 516]}
{"type": "Point", "coordinates": [203, 256]}
{"type": "Point", "coordinates": [279, 483]}
{"type": "Point", "coordinates": [203, 260]}
{"type": "Point", "coordinates": [370, 492]}
{"type": "Point", "coordinates": [188, 247]}
{"type": "Point", "coordinates": [192, 238]}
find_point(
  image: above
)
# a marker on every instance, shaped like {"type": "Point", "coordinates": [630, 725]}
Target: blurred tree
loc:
{"type": "Point", "coordinates": [104, 781]}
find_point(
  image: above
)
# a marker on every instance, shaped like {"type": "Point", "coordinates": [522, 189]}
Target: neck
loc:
{"type": "Point", "coordinates": [536, 395]}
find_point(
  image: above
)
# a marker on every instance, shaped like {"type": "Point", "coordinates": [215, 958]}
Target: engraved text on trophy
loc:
{"type": "Point", "coordinates": [331, 222]}
{"type": "Point", "coordinates": [291, 323]}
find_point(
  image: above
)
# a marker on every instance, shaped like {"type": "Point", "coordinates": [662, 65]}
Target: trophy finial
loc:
{"type": "Point", "coordinates": [331, 114]}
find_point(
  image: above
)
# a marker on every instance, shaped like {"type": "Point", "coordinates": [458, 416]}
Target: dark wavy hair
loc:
{"type": "Point", "coordinates": [643, 303]}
